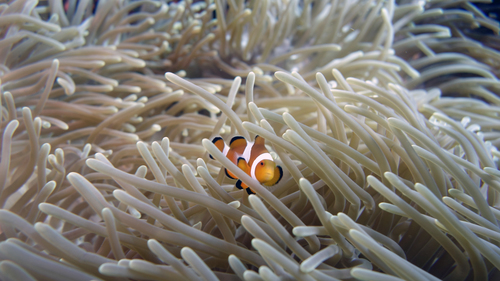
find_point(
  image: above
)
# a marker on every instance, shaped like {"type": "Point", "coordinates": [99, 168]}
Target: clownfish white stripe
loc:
{"type": "Point", "coordinates": [226, 149]}
{"type": "Point", "coordinates": [247, 151]}
{"type": "Point", "coordinates": [263, 156]}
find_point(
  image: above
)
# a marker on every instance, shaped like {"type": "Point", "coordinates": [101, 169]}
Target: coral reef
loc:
{"type": "Point", "coordinates": [383, 114]}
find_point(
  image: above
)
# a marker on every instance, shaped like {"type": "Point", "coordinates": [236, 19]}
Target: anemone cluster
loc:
{"type": "Point", "coordinates": [383, 114]}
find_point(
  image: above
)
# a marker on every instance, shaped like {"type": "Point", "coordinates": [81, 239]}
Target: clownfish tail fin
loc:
{"type": "Point", "coordinates": [249, 191]}
{"type": "Point", "coordinates": [237, 141]}
{"type": "Point", "coordinates": [219, 143]}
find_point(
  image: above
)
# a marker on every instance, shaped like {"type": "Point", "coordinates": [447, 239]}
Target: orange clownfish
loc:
{"type": "Point", "coordinates": [253, 158]}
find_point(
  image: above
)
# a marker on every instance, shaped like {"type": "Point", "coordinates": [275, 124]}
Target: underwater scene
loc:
{"type": "Point", "coordinates": [258, 140]}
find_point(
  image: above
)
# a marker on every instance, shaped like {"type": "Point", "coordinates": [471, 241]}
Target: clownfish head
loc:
{"type": "Point", "coordinates": [265, 170]}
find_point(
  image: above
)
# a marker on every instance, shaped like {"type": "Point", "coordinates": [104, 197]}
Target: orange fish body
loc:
{"type": "Point", "coordinates": [253, 158]}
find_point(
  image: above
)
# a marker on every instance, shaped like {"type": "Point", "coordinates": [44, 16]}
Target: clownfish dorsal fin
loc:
{"type": "Point", "coordinates": [237, 141]}
{"type": "Point", "coordinates": [259, 140]}
{"type": "Point", "coordinates": [278, 174]}
{"type": "Point", "coordinates": [242, 164]}
{"type": "Point", "coordinates": [219, 143]}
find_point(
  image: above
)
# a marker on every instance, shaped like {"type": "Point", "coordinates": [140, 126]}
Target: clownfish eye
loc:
{"type": "Point", "coordinates": [262, 163]}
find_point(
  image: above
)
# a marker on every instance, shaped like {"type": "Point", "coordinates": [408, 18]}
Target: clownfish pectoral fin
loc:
{"type": "Point", "coordinates": [219, 143]}
{"type": "Point", "coordinates": [278, 174]}
{"type": "Point", "coordinates": [229, 174]}
{"type": "Point", "coordinates": [237, 141]}
{"type": "Point", "coordinates": [259, 140]}
{"type": "Point", "coordinates": [242, 164]}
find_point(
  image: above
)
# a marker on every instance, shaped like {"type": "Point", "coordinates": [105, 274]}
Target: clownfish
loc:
{"type": "Point", "coordinates": [253, 158]}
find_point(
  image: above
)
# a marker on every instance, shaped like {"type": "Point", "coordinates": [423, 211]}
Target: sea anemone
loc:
{"type": "Point", "coordinates": [385, 117]}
